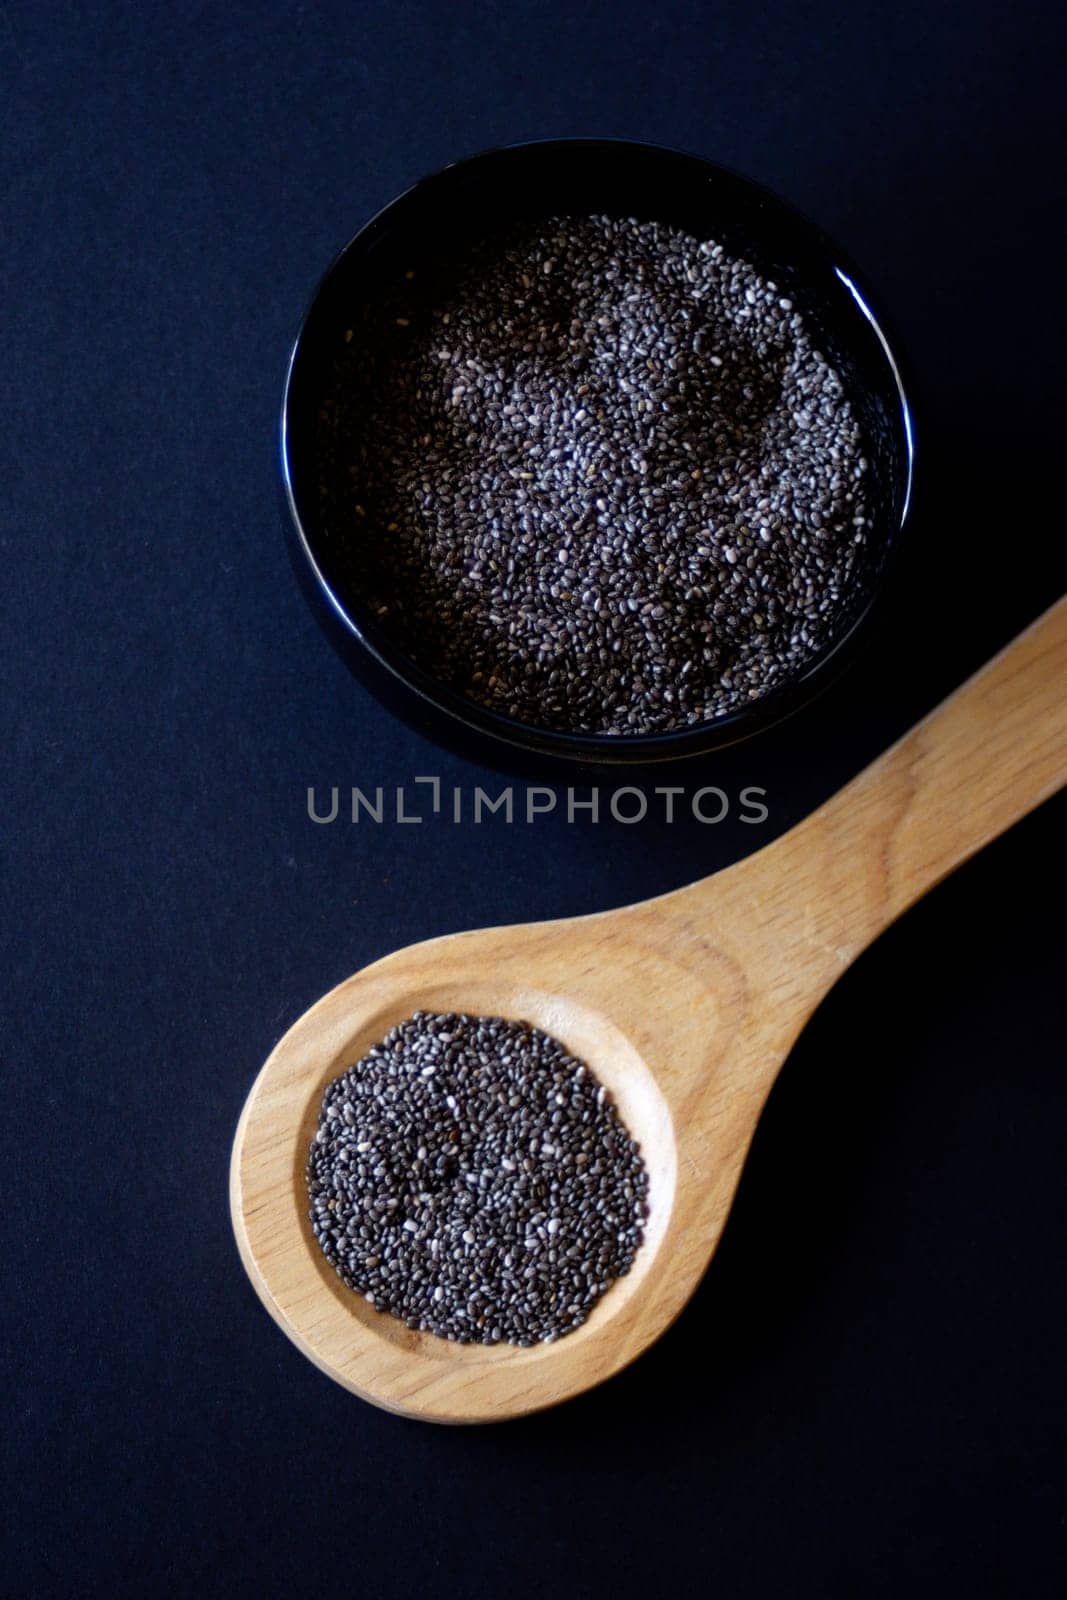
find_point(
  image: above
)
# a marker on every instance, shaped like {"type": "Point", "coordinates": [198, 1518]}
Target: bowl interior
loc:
{"type": "Point", "coordinates": [464, 202]}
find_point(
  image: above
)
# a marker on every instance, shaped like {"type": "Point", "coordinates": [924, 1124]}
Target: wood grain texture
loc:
{"type": "Point", "coordinates": [685, 1005]}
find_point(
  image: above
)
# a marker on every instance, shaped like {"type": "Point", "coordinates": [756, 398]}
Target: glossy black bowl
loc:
{"type": "Point", "coordinates": [582, 177]}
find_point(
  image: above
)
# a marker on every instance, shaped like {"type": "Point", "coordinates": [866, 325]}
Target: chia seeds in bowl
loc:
{"type": "Point", "coordinates": [614, 485]}
{"type": "Point", "coordinates": [611, 482]}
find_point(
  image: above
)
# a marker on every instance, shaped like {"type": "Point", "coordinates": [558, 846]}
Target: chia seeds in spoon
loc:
{"type": "Point", "coordinates": [595, 475]}
{"type": "Point", "coordinates": [472, 1178]}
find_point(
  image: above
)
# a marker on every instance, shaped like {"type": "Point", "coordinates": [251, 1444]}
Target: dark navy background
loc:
{"type": "Point", "coordinates": [866, 1396]}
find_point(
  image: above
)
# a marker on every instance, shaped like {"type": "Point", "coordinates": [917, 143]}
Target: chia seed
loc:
{"type": "Point", "coordinates": [596, 475]}
{"type": "Point", "coordinates": [472, 1178]}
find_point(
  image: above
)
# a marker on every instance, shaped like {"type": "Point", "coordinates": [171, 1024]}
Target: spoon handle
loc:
{"type": "Point", "coordinates": [990, 753]}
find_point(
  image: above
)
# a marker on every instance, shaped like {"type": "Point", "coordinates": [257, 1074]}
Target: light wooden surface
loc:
{"type": "Point", "coordinates": [686, 1006]}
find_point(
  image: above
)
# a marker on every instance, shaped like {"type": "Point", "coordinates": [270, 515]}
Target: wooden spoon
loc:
{"type": "Point", "coordinates": [686, 1006]}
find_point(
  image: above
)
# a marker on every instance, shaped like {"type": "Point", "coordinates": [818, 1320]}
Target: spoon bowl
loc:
{"type": "Point", "coordinates": [685, 1006]}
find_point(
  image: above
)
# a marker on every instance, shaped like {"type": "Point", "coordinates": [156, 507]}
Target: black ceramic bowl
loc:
{"type": "Point", "coordinates": [581, 177]}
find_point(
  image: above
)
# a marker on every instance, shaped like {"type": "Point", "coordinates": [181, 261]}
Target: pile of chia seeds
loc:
{"type": "Point", "coordinates": [596, 475]}
{"type": "Point", "coordinates": [473, 1179]}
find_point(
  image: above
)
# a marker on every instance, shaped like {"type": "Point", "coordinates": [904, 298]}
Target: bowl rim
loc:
{"type": "Point", "coordinates": [603, 748]}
